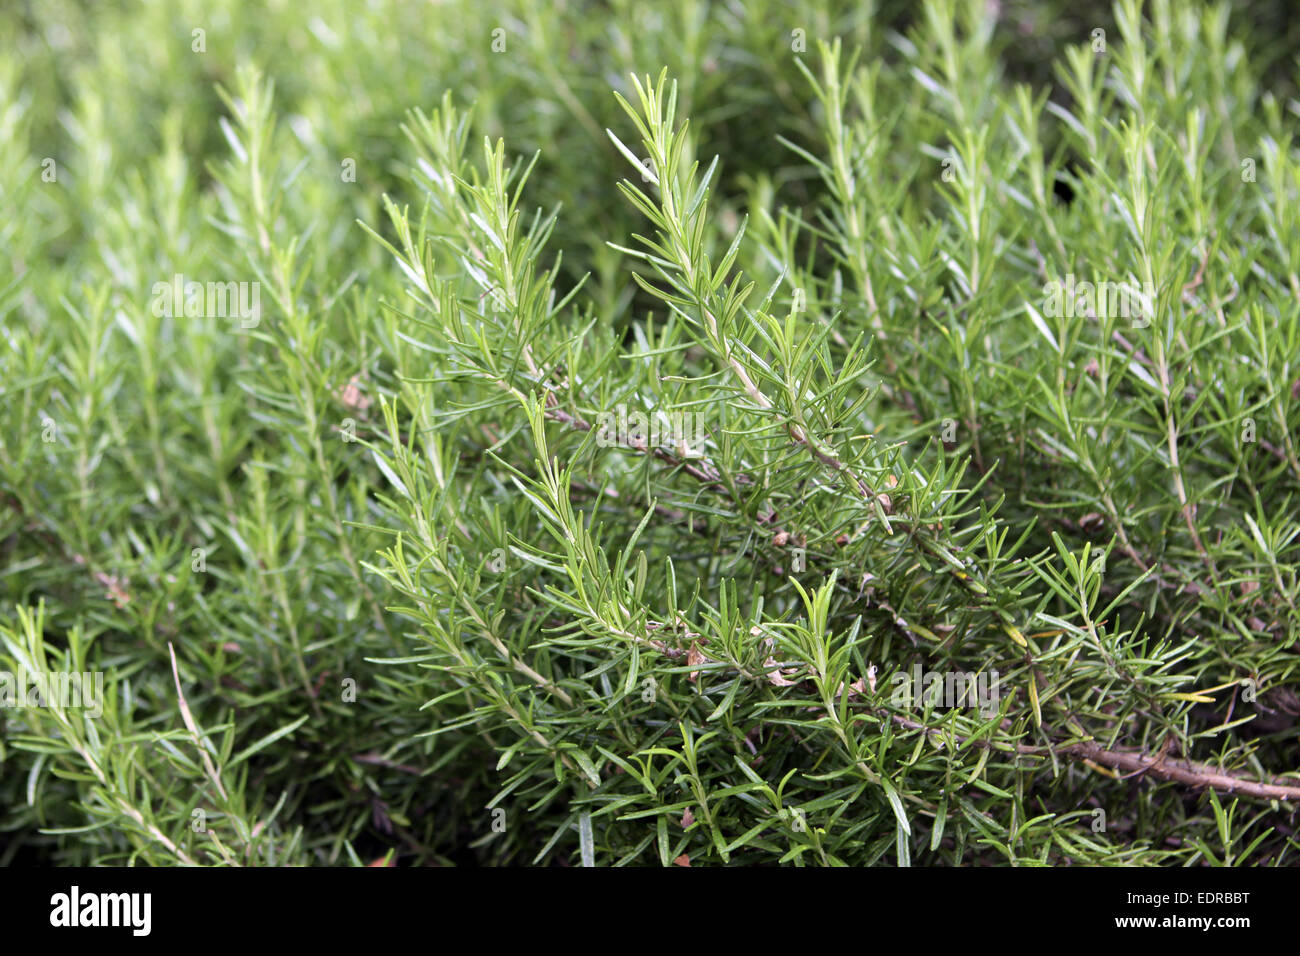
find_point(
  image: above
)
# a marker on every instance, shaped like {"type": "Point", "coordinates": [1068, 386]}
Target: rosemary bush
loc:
{"type": "Point", "coordinates": [613, 433]}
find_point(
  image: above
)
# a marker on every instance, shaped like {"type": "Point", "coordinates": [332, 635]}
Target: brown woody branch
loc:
{"type": "Point", "coordinates": [1189, 773]}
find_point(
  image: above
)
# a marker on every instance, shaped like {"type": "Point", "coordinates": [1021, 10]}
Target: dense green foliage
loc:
{"type": "Point", "coordinates": [391, 566]}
